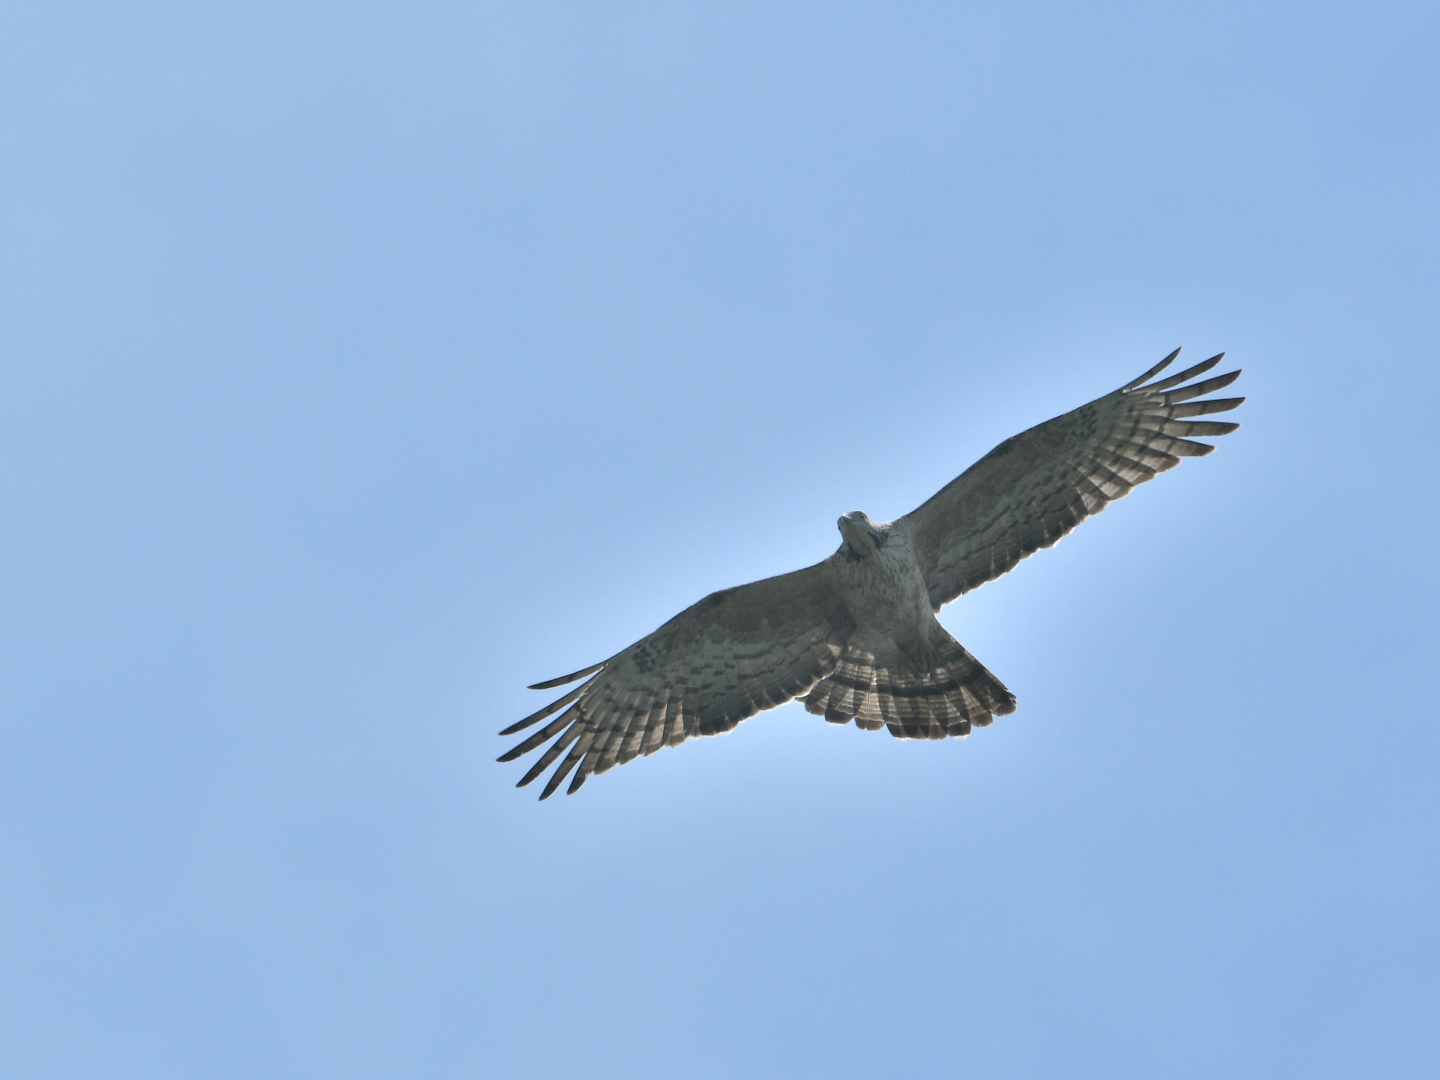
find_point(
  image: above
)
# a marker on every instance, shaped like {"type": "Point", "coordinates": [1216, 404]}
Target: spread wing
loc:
{"type": "Point", "coordinates": [1034, 488]}
{"type": "Point", "coordinates": [733, 654]}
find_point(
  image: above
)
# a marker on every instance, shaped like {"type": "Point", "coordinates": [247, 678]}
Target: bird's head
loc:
{"type": "Point", "coordinates": [862, 536]}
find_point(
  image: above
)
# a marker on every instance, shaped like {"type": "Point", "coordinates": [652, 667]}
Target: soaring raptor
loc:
{"type": "Point", "coordinates": [856, 635]}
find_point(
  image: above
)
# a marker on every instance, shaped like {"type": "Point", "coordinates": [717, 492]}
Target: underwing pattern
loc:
{"type": "Point", "coordinates": [855, 636]}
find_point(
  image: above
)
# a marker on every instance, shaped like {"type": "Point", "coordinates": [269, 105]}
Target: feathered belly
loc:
{"type": "Point", "coordinates": [887, 598]}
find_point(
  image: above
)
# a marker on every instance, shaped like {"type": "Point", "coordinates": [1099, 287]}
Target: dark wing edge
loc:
{"type": "Point", "coordinates": [1034, 488]}
{"type": "Point", "coordinates": [735, 653]}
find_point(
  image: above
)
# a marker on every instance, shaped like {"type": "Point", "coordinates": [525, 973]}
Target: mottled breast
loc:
{"type": "Point", "coordinates": [886, 594]}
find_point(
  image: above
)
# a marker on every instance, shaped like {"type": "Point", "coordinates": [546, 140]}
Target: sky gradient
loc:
{"type": "Point", "coordinates": [365, 363]}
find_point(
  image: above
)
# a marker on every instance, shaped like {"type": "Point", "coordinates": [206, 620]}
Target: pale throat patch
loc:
{"type": "Point", "coordinates": [858, 535]}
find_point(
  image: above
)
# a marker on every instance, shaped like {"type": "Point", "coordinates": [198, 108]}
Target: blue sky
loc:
{"type": "Point", "coordinates": [365, 363]}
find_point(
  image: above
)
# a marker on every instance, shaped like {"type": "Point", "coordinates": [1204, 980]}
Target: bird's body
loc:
{"type": "Point", "coordinates": [883, 587]}
{"type": "Point", "coordinates": [900, 666]}
{"type": "Point", "coordinates": [856, 635]}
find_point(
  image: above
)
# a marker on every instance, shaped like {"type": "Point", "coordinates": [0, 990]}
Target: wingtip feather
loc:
{"type": "Point", "coordinates": [578, 751]}
{"type": "Point", "coordinates": [521, 725]}
{"type": "Point", "coordinates": [550, 684]}
{"type": "Point", "coordinates": [1188, 373]}
{"type": "Point", "coordinates": [1161, 366]}
{"type": "Point", "coordinates": [540, 714]}
{"type": "Point", "coordinates": [1194, 390]}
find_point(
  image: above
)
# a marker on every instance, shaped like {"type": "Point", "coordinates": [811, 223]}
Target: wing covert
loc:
{"type": "Point", "coordinates": [1034, 488]}
{"type": "Point", "coordinates": [733, 654]}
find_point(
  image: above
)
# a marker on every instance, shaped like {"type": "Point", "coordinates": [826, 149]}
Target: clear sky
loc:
{"type": "Point", "coordinates": [363, 363]}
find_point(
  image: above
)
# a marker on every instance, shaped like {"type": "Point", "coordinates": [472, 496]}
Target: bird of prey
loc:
{"type": "Point", "coordinates": [856, 635]}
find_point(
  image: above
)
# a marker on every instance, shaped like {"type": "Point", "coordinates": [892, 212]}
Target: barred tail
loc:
{"type": "Point", "coordinates": [948, 697]}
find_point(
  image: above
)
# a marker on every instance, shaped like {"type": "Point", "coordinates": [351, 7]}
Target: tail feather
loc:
{"type": "Point", "coordinates": [915, 701]}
